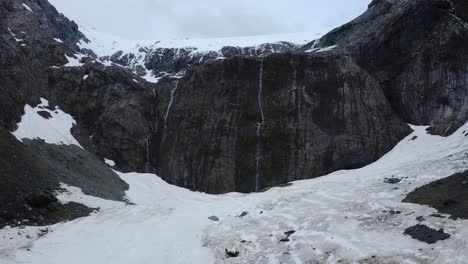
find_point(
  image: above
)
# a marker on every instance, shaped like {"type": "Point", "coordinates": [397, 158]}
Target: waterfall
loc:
{"type": "Point", "coordinates": [147, 147]}
{"type": "Point", "coordinates": [170, 103]}
{"type": "Point", "coordinates": [259, 127]}
{"type": "Point", "coordinates": [155, 99]}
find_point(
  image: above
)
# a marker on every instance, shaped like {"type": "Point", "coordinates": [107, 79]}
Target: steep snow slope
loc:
{"type": "Point", "coordinates": [347, 216]}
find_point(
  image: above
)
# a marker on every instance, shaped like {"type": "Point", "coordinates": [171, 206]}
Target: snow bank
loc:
{"type": "Point", "coordinates": [54, 128]}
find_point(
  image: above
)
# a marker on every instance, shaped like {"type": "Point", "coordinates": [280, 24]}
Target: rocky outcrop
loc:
{"type": "Point", "coordinates": [30, 44]}
{"type": "Point", "coordinates": [74, 166]}
{"type": "Point", "coordinates": [111, 105]}
{"type": "Point", "coordinates": [447, 195]}
{"type": "Point", "coordinates": [27, 185]}
{"type": "Point", "coordinates": [417, 51]}
{"type": "Point", "coordinates": [245, 124]}
{"type": "Point", "coordinates": [35, 40]}
{"type": "Point", "coordinates": [113, 109]}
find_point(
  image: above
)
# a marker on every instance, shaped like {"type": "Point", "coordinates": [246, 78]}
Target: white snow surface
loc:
{"type": "Point", "coordinates": [27, 7]}
{"type": "Point", "coordinates": [104, 44]}
{"type": "Point", "coordinates": [109, 162]}
{"type": "Point", "coordinates": [55, 130]}
{"type": "Point", "coordinates": [325, 49]}
{"type": "Point", "coordinates": [14, 36]}
{"type": "Point", "coordinates": [342, 217]}
{"type": "Point", "coordinates": [74, 61]}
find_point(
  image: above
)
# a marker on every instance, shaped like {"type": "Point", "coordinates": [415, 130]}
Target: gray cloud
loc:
{"type": "Point", "coordinates": [156, 19]}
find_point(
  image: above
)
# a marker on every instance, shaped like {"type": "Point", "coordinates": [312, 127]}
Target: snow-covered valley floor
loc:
{"type": "Point", "coordinates": [345, 217]}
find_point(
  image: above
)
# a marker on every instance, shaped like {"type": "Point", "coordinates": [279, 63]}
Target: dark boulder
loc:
{"type": "Point", "coordinates": [426, 234]}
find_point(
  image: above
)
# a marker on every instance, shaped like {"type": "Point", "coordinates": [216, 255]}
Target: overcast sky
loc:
{"type": "Point", "coordinates": [162, 19]}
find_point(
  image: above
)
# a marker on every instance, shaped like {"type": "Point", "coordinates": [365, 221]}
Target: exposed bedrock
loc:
{"type": "Point", "coordinates": [448, 195]}
{"type": "Point", "coordinates": [32, 172]}
{"type": "Point", "coordinates": [321, 113]}
{"type": "Point", "coordinates": [112, 108]}
{"type": "Point", "coordinates": [28, 48]}
{"type": "Point", "coordinates": [418, 52]}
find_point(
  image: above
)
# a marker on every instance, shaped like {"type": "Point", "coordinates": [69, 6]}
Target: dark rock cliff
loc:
{"type": "Point", "coordinates": [113, 109]}
{"type": "Point", "coordinates": [34, 44]}
{"type": "Point", "coordinates": [418, 52]}
{"type": "Point", "coordinates": [28, 48]}
{"type": "Point", "coordinates": [317, 114]}
{"type": "Point", "coordinates": [111, 105]}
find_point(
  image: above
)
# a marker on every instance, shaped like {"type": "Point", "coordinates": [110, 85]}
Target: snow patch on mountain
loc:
{"type": "Point", "coordinates": [49, 124]}
{"type": "Point", "coordinates": [109, 162]}
{"type": "Point", "coordinates": [14, 36]}
{"type": "Point", "coordinates": [74, 61]}
{"type": "Point", "coordinates": [27, 7]}
{"type": "Point", "coordinates": [105, 45]}
{"type": "Point", "coordinates": [74, 194]}
{"type": "Point", "coordinates": [140, 56]}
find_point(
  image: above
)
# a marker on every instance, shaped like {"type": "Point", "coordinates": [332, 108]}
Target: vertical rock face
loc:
{"type": "Point", "coordinates": [111, 105]}
{"type": "Point", "coordinates": [320, 113]}
{"type": "Point", "coordinates": [417, 51]}
{"type": "Point", "coordinates": [112, 108]}
{"type": "Point", "coordinates": [28, 49]}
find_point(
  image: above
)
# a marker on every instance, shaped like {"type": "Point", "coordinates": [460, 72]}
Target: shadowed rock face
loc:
{"type": "Point", "coordinates": [28, 49]}
{"type": "Point", "coordinates": [77, 167]}
{"type": "Point", "coordinates": [113, 109]}
{"type": "Point", "coordinates": [30, 174]}
{"type": "Point", "coordinates": [321, 113]}
{"type": "Point", "coordinates": [417, 51]}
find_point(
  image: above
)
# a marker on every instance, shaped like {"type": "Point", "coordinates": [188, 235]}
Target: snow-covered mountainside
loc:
{"type": "Point", "coordinates": [153, 59]}
{"type": "Point", "coordinates": [353, 216]}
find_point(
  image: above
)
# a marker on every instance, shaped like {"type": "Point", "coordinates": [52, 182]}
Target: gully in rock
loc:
{"type": "Point", "coordinates": [147, 148]}
{"type": "Point", "coordinates": [259, 127]}
{"type": "Point", "coordinates": [155, 100]}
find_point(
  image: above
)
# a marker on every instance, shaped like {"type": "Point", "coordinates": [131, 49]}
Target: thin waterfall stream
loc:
{"type": "Point", "coordinates": [259, 128]}
{"type": "Point", "coordinates": [147, 147]}
{"type": "Point", "coordinates": [166, 115]}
